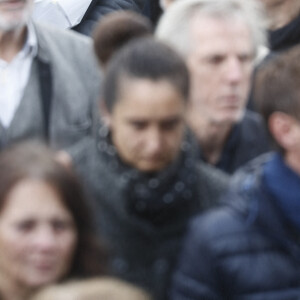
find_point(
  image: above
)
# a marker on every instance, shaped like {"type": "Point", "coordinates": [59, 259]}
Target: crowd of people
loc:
{"type": "Point", "coordinates": [150, 151]}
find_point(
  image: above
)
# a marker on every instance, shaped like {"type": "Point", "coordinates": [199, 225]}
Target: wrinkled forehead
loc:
{"type": "Point", "coordinates": [229, 17]}
{"type": "Point", "coordinates": [203, 25]}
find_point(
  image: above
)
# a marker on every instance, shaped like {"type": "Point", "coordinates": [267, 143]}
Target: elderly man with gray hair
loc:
{"type": "Point", "coordinates": [249, 249]}
{"type": "Point", "coordinates": [219, 40]}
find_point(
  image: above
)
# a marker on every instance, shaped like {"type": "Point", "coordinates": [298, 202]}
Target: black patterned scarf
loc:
{"type": "Point", "coordinates": [159, 197]}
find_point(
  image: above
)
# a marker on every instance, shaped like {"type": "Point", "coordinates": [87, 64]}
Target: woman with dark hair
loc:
{"type": "Point", "coordinates": [46, 235]}
{"type": "Point", "coordinates": [142, 172]}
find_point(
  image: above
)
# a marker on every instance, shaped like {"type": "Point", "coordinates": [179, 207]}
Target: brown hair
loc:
{"type": "Point", "coordinates": [115, 30]}
{"type": "Point", "coordinates": [34, 160]}
{"type": "Point", "coordinates": [145, 58]}
{"type": "Point", "coordinates": [276, 85]}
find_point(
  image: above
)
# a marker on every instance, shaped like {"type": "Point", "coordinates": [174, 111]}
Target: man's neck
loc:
{"type": "Point", "coordinates": [211, 137]}
{"type": "Point", "coordinates": [282, 12]}
{"type": "Point", "coordinates": [11, 42]}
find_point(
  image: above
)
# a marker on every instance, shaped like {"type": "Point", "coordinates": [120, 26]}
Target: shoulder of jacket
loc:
{"type": "Point", "coordinates": [211, 174]}
{"type": "Point", "coordinates": [220, 223]}
{"type": "Point", "coordinates": [47, 33]}
{"type": "Point", "coordinates": [252, 120]}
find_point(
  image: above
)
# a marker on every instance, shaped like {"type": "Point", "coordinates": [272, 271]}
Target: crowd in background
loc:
{"type": "Point", "coordinates": [149, 149]}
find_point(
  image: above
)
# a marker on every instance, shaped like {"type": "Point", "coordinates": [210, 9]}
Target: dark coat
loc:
{"type": "Point", "coordinates": [285, 37]}
{"type": "Point", "coordinates": [247, 140]}
{"type": "Point", "coordinates": [144, 231]}
{"type": "Point", "coordinates": [152, 10]}
{"type": "Point", "coordinates": [245, 250]}
{"type": "Point", "coordinates": [99, 8]}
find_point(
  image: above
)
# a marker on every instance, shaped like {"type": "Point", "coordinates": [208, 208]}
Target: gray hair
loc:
{"type": "Point", "coordinates": [174, 25]}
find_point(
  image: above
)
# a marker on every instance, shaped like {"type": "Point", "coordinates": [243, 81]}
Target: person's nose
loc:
{"type": "Point", "coordinates": [45, 238]}
{"type": "Point", "coordinates": [154, 140]}
{"type": "Point", "coordinates": [234, 70]}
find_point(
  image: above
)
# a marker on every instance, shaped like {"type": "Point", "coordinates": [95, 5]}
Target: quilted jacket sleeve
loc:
{"type": "Point", "coordinates": [195, 277]}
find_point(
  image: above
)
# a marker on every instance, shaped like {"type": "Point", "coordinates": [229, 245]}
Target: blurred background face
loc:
{"type": "Point", "coordinates": [220, 62]}
{"type": "Point", "coordinates": [14, 13]}
{"type": "Point", "coordinates": [165, 3]}
{"type": "Point", "coordinates": [271, 2]}
{"type": "Point", "coordinates": [281, 12]}
{"type": "Point", "coordinates": [147, 123]}
{"type": "Point", "coordinates": [37, 236]}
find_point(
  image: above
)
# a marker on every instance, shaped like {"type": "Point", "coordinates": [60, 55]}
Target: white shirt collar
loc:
{"type": "Point", "coordinates": [31, 46]}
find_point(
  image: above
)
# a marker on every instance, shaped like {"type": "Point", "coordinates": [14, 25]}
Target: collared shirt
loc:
{"type": "Point", "coordinates": [14, 76]}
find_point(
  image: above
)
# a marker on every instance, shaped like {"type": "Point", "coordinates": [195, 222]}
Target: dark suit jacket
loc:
{"type": "Point", "coordinates": [99, 8]}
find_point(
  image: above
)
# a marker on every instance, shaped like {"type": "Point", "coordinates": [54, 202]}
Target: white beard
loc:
{"type": "Point", "coordinates": [9, 22]}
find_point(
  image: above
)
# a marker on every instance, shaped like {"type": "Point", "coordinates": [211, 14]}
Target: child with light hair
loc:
{"type": "Point", "coordinates": [93, 289]}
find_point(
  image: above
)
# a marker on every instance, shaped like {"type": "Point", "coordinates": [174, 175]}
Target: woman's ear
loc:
{"type": "Point", "coordinates": [104, 113]}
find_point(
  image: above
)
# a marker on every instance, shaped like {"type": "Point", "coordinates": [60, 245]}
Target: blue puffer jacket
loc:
{"type": "Point", "coordinates": [99, 8]}
{"type": "Point", "coordinates": [245, 250]}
